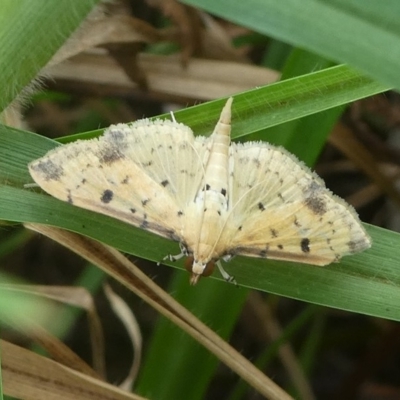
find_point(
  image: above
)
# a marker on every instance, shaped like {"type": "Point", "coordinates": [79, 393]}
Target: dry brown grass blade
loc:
{"type": "Point", "coordinates": [126, 56]}
{"type": "Point", "coordinates": [217, 43]}
{"type": "Point", "coordinates": [188, 23]}
{"type": "Point", "coordinates": [78, 297]}
{"type": "Point", "coordinates": [125, 314]}
{"type": "Point", "coordinates": [364, 196]}
{"type": "Point", "coordinates": [343, 139]}
{"type": "Point", "coordinates": [115, 264]}
{"type": "Point", "coordinates": [60, 352]}
{"type": "Point", "coordinates": [371, 192]}
{"type": "Point", "coordinates": [123, 36]}
{"type": "Point", "coordinates": [101, 30]}
{"type": "Point", "coordinates": [27, 375]}
{"type": "Point", "coordinates": [200, 80]}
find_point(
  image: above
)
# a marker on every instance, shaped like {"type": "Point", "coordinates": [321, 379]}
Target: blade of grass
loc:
{"type": "Point", "coordinates": [256, 110]}
{"type": "Point", "coordinates": [316, 126]}
{"type": "Point", "coordinates": [363, 34]}
{"type": "Point", "coordinates": [31, 32]}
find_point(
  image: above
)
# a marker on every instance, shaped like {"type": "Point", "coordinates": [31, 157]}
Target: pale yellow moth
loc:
{"type": "Point", "coordinates": [217, 199]}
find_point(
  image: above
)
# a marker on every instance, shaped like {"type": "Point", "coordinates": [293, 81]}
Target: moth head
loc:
{"type": "Point", "coordinates": [198, 269]}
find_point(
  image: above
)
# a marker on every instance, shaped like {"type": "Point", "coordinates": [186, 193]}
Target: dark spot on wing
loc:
{"type": "Point", "coordinates": [125, 180]}
{"type": "Point", "coordinates": [115, 136]}
{"type": "Point", "coordinates": [111, 181]}
{"type": "Point", "coordinates": [223, 192]}
{"type": "Point", "coordinates": [355, 246]}
{"type": "Point", "coordinates": [69, 198]}
{"type": "Point", "coordinates": [171, 234]}
{"type": "Point", "coordinates": [109, 155]}
{"type": "Point", "coordinates": [51, 171]}
{"type": "Point", "coordinates": [304, 244]}
{"type": "Point", "coordinates": [107, 196]}
{"type": "Point", "coordinates": [208, 186]}
{"type": "Point", "coordinates": [83, 181]}
{"type": "Point", "coordinates": [147, 164]}
{"type": "Point", "coordinates": [296, 222]}
{"type": "Point", "coordinates": [261, 206]}
{"type": "Point", "coordinates": [316, 204]}
{"type": "Point", "coordinates": [219, 212]}
{"type": "Point", "coordinates": [144, 202]}
{"type": "Point", "coordinates": [132, 210]}
{"type": "Point", "coordinates": [144, 224]}
{"type": "Point", "coordinates": [315, 187]}
{"type": "Point", "coordinates": [240, 228]}
{"type": "Point", "coordinates": [280, 247]}
{"type": "Point", "coordinates": [180, 213]}
{"type": "Point", "coordinates": [352, 245]}
{"type": "Point", "coordinates": [274, 233]}
{"type": "Point", "coordinates": [263, 253]}
{"type": "Point", "coordinates": [314, 201]}
{"type": "Point", "coordinates": [165, 182]}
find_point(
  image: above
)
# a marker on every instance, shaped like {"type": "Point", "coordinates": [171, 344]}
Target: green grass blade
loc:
{"type": "Point", "coordinates": [365, 34]}
{"type": "Point", "coordinates": [257, 110]}
{"type": "Point", "coordinates": [314, 129]}
{"type": "Point", "coordinates": [31, 32]}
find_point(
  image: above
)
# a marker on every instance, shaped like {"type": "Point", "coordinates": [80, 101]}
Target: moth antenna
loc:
{"type": "Point", "coordinates": [171, 113]}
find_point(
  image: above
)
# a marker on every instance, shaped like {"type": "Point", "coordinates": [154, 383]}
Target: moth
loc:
{"type": "Point", "coordinates": [216, 198]}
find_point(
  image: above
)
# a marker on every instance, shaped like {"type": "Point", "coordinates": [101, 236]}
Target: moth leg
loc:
{"type": "Point", "coordinates": [30, 185]}
{"type": "Point", "coordinates": [228, 257]}
{"type": "Point", "coordinates": [225, 275]}
{"type": "Point", "coordinates": [176, 257]}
